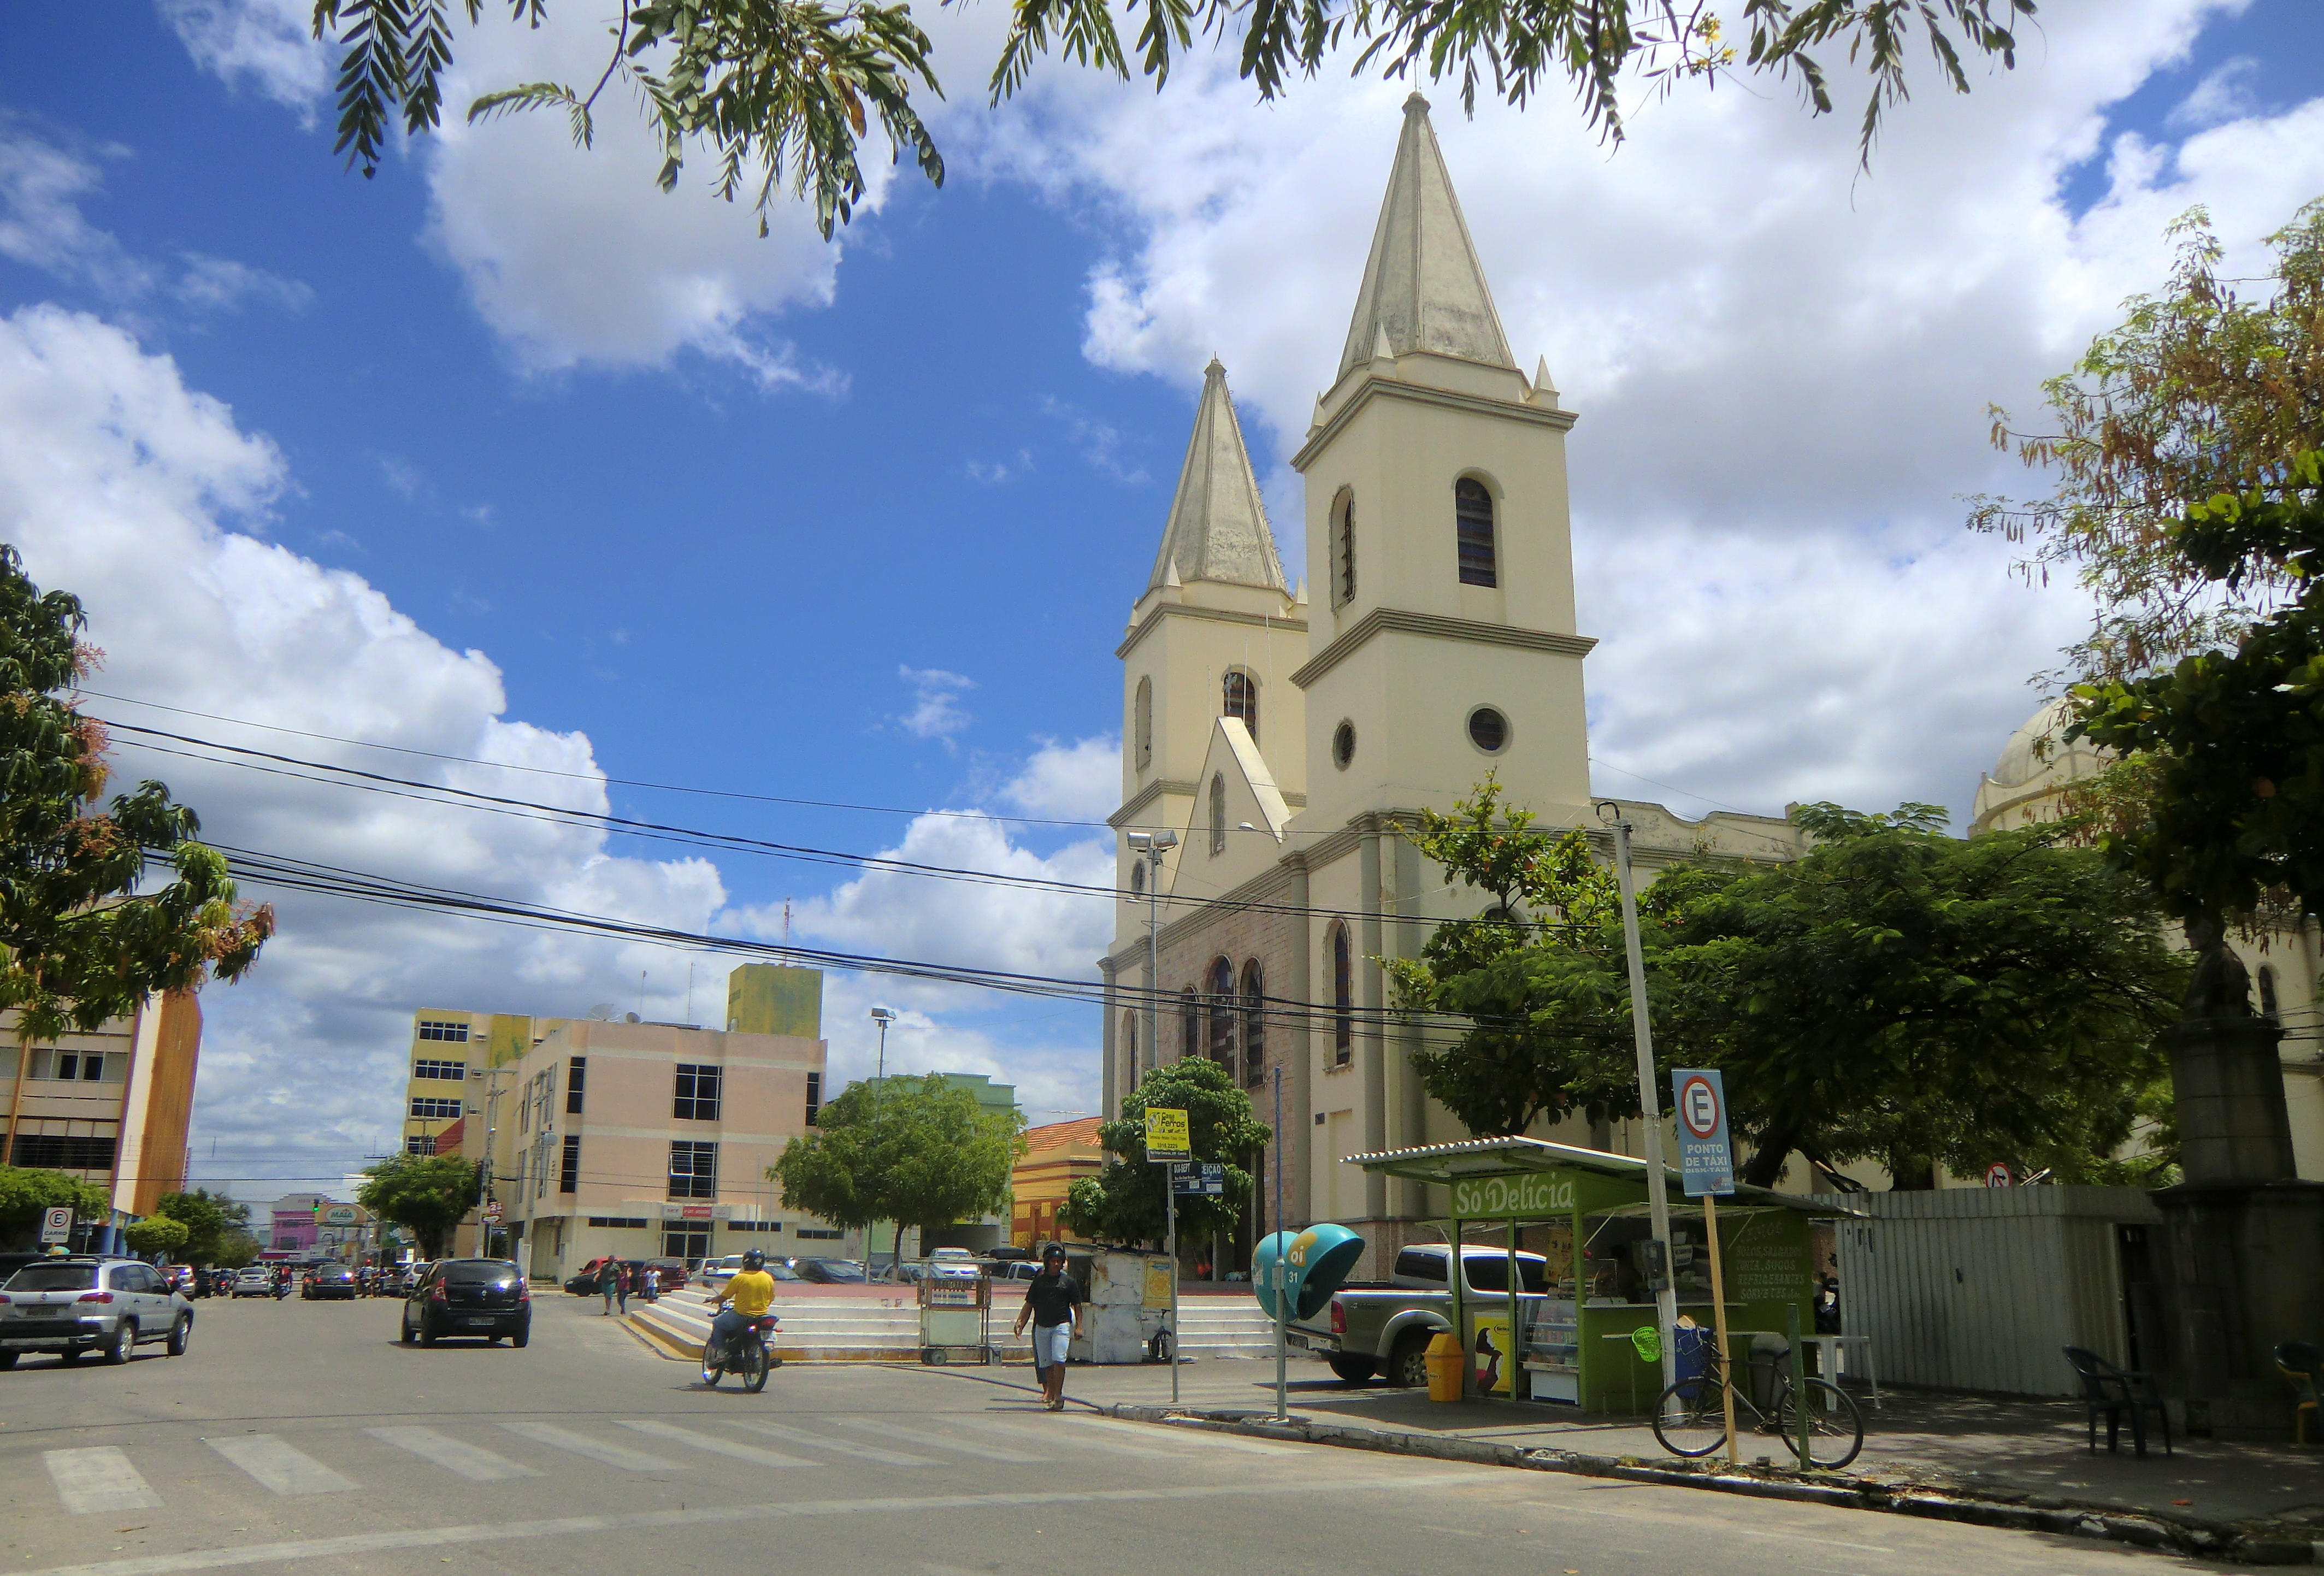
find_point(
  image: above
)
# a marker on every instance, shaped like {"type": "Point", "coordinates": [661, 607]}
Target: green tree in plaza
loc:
{"type": "Point", "coordinates": [1126, 1201]}
{"type": "Point", "coordinates": [426, 1195]}
{"type": "Point", "coordinates": [26, 1192]}
{"type": "Point", "coordinates": [210, 1220]}
{"type": "Point", "coordinates": [235, 1250]}
{"type": "Point", "coordinates": [81, 943]}
{"type": "Point", "coordinates": [156, 1234]}
{"type": "Point", "coordinates": [914, 1151]}
{"type": "Point", "coordinates": [779, 95]}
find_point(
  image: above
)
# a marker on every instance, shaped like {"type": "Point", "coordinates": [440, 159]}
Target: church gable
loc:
{"type": "Point", "coordinates": [1235, 789]}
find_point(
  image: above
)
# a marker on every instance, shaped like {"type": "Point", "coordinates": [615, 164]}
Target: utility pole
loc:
{"type": "Point", "coordinates": [1650, 1105]}
{"type": "Point", "coordinates": [883, 1017]}
{"type": "Point", "coordinates": [1282, 1248]}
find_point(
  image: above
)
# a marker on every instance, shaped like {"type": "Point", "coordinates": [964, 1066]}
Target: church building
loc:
{"type": "Point", "coordinates": [1287, 738]}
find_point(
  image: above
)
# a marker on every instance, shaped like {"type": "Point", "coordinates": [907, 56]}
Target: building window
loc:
{"type": "Point", "coordinates": [767, 1226]}
{"type": "Point", "coordinates": [1343, 745]}
{"type": "Point", "coordinates": [540, 1167]}
{"type": "Point", "coordinates": [1472, 516]}
{"type": "Point", "coordinates": [693, 1169]}
{"type": "Point", "coordinates": [63, 1152]}
{"type": "Point", "coordinates": [689, 1243]}
{"type": "Point", "coordinates": [620, 1223]}
{"type": "Point", "coordinates": [434, 1111]}
{"type": "Point", "coordinates": [698, 1092]}
{"type": "Point", "coordinates": [1489, 731]}
{"type": "Point", "coordinates": [1222, 1014]}
{"type": "Point", "coordinates": [1138, 878]}
{"type": "Point", "coordinates": [1343, 998]}
{"type": "Point", "coordinates": [440, 1072]}
{"type": "Point", "coordinates": [1239, 697]}
{"type": "Point", "coordinates": [568, 1173]}
{"type": "Point", "coordinates": [576, 1076]}
{"type": "Point", "coordinates": [1190, 1023]}
{"type": "Point", "coordinates": [1344, 550]}
{"type": "Point", "coordinates": [420, 1144]}
{"type": "Point", "coordinates": [2268, 1008]}
{"type": "Point", "coordinates": [1254, 1023]}
{"type": "Point", "coordinates": [819, 1234]}
{"type": "Point", "coordinates": [814, 1096]}
{"type": "Point", "coordinates": [1129, 1052]}
{"type": "Point", "coordinates": [1142, 722]}
{"type": "Point", "coordinates": [1218, 814]}
{"type": "Point", "coordinates": [441, 1028]}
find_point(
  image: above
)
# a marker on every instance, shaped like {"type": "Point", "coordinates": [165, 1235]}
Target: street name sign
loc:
{"type": "Point", "coordinates": [1204, 1178]}
{"type": "Point", "coordinates": [1166, 1135]}
{"type": "Point", "coordinates": [1704, 1154]}
{"type": "Point", "coordinates": [56, 1225]}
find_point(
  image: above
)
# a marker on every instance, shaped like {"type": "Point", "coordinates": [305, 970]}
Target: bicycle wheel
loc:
{"type": "Point", "coordinates": [1691, 1418]}
{"type": "Point", "coordinates": [751, 1364]}
{"type": "Point", "coordinates": [1835, 1428]}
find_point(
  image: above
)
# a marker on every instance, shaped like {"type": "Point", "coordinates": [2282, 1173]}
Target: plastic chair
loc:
{"type": "Point", "coordinates": [2301, 1363]}
{"type": "Point", "coordinates": [2115, 1391]}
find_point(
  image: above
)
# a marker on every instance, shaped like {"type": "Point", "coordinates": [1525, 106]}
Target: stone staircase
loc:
{"type": "Point", "coordinates": [1230, 1326]}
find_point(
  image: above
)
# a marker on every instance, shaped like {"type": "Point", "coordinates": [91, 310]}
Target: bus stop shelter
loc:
{"type": "Point", "coordinates": [1580, 1329]}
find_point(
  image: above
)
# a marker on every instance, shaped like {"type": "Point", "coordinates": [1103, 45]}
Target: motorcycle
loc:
{"type": "Point", "coordinates": [745, 1355]}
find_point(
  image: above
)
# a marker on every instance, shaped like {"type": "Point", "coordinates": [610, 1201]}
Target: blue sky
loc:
{"type": "Point", "coordinates": [866, 527]}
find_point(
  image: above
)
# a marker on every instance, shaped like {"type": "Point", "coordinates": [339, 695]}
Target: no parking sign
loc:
{"type": "Point", "coordinates": [1704, 1155]}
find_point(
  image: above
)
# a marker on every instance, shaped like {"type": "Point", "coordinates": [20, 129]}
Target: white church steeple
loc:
{"type": "Point", "coordinates": [1218, 528]}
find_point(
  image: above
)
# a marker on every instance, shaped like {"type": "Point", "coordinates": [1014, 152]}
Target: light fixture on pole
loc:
{"type": "Point", "coordinates": [883, 1017]}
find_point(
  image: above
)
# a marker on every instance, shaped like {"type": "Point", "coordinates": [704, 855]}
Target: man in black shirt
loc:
{"type": "Point", "coordinates": [1053, 1302]}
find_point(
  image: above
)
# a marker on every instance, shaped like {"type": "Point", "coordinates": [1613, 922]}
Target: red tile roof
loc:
{"type": "Point", "coordinates": [1057, 1135]}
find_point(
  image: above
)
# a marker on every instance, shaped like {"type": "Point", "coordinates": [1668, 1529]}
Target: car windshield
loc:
{"type": "Point", "coordinates": [53, 1278]}
{"type": "Point", "coordinates": [781, 1271]}
{"type": "Point", "coordinates": [480, 1269]}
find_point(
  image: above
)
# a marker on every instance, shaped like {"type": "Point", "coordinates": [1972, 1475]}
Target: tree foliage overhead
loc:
{"type": "Point", "coordinates": [426, 1195]}
{"type": "Point", "coordinates": [82, 944]}
{"type": "Point", "coordinates": [1128, 1202]}
{"type": "Point", "coordinates": [780, 93]}
{"type": "Point", "coordinates": [917, 1151]}
{"type": "Point", "coordinates": [156, 1234]}
{"type": "Point", "coordinates": [27, 1192]}
{"type": "Point", "coordinates": [211, 1219]}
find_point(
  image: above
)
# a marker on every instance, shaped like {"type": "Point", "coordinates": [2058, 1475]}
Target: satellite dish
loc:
{"type": "Point", "coordinates": [602, 1012]}
{"type": "Point", "coordinates": [629, 1017]}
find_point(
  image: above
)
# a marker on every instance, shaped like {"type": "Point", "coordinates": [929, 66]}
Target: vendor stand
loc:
{"type": "Point", "coordinates": [1582, 1334]}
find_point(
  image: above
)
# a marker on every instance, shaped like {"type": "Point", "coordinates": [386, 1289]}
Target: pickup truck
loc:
{"type": "Point", "coordinates": [1383, 1327]}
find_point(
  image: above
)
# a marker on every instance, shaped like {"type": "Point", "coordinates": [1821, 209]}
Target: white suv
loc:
{"type": "Point", "coordinates": [71, 1305]}
{"type": "Point", "coordinates": [717, 1272]}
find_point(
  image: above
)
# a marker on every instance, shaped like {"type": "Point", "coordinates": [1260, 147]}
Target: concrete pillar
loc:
{"type": "Point", "coordinates": [2228, 1084]}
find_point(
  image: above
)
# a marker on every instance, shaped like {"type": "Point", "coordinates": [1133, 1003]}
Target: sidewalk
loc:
{"type": "Point", "coordinates": [2005, 1451]}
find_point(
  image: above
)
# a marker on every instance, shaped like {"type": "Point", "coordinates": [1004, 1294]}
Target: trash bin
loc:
{"type": "Point", "coordinates": [1446, 1361]}
{"type": "Point", "coordinates": [1771, 1355]}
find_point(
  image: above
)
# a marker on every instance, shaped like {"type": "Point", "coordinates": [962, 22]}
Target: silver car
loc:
{"type": "Point", "coordinates": [71, 1305]}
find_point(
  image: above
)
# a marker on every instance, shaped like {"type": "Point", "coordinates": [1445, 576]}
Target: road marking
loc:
{"type": "Point", "coordinates": [97, 1478]}
{"type": "Point", "coordinates": [869, 1452]}
{"type": "Point", "coordinates": [939, 1505]}
{"type": "Point", "coordinates": [471, 1461]}
{"type": "Point", "coordinates": [1024, 1432]}
{"type": "Point", "coordinates": [278, 1464]}
{"type": "Point", "coordinates": [596, 1449]}
{"type": "Point", "coordinates": [990, 1452]}
{"type": "Point", "coordinates": [1192, 1436]}
{"type": "Point", "coordinates": [716, 1446]}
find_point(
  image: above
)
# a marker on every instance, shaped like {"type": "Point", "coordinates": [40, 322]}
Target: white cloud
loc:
{"type": "Point", "coordinates": [936, 711]}
{"type": "Point", "coordinates": [220, 284]}
{"type": "Point", "coordinates": [268, 45]}
{"type": "Point", "coordinates": [1080, 781]}
{"type": "Point", "coordinates": [2223, 95]}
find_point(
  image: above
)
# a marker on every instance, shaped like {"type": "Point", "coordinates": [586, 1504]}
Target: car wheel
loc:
{"type": "Point", "coordinates": [427, 1332]}
{"type": "Point", "coordinates": [68, 1355]}
{"type": "Point", "coordinates": [492, 1341]}
{"type": "Point", "coordinates": [8, 1360]}
{"type": "Point", "coordinates": [521, 1336]}
{"type": "Point", "coordinates": [1408, 1370]}
{"type": "Point", "coordinates": [1354, 1370]}
{"type": "Point", "coordinates": [125, 1343]}
{"type": "Point", "coordinates": [181, 1334]}
{"type": "Point", "coordinates": [409, 1334]}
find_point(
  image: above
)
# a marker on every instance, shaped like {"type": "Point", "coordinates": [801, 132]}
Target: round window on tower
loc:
{"type": "Point", "coordinates": [1343, 745]}
{"type": "Point", "coordinates": [1489, 731]}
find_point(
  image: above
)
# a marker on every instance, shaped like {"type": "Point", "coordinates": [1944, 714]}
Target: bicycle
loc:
{"type": "Point", "coordinates": [1691, 1416]}
{"type": "Point", "coordinates": [745, 1355]}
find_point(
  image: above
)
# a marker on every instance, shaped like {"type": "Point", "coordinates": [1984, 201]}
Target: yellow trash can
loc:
{"type": "Point", "coordinates": [1446, 1358]}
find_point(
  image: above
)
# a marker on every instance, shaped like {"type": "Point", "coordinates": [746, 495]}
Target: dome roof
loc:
{"type": "Point", "coordinates": [2037, 763]}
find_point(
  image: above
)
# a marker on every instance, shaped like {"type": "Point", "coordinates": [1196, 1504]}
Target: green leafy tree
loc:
{"type": "Point", "coordinates": [235, 1250]}
{"type": "Point", "coordinates": [426, 1195]}
{"type": "Point", "coordinates": [26, 1193]}
{"type": "Point", "coordinates": [156, 1234]}
{"type": "Point", "coordinates": [81, 943]}
{"type": "Point", "coordinates": [1128, 1202]}
{"type": "Point", "coordinates": [209, 1219]}
{"type": "Point", "coordinates": [780, 93]}
{"type": "Point", "coordinates": [916, 1151]}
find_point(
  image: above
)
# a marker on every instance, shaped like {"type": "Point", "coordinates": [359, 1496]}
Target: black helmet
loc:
{"type": "Point", "coordinates": [754, 1259]}
{"type": "Point", "coordinates": [1054, 1250]}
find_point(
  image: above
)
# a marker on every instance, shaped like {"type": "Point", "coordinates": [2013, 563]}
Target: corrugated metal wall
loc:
{"type": "Point", "coordinates": [1979, 1288]}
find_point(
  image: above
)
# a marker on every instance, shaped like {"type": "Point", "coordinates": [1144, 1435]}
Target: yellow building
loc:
{"type": "Point", "coordinates": [1056, 1157]}
{"type": "Point", "coordinates": [110, 1106]}
{"type": "Point", "coordinates": [453, 1055]}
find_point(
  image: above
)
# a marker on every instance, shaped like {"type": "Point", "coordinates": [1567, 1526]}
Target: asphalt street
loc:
{"type": "Point", "coordinates": [301, 1434]}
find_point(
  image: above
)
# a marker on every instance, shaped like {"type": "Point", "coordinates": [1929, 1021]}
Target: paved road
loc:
{"type": "Point", "coordinates": [299, 1434]}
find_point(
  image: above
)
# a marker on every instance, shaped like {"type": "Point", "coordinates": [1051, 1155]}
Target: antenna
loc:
{"type": "Point", "coordinates": [602, 1012]}
{"type": "Point", "coordinates": [787, 922]}
{"type": "Point", "coordinates": [641, 997]}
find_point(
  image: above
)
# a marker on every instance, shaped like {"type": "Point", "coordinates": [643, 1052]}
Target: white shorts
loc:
{"type": "Point", "coordinates": [1049, 1343]}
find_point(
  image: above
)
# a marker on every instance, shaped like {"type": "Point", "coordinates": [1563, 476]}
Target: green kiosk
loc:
{"type": "Point", "coordinates": [1573, 1221]}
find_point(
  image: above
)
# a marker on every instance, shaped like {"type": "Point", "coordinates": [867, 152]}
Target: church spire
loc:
{"type": "Point", "coordinates": [1423, 288]}
{"type": "Point", "coordinates": [1218, 527]}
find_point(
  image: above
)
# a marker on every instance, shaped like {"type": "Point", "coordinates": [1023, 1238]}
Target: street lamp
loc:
{"type": "Point", "coordinates": [883, 1017]}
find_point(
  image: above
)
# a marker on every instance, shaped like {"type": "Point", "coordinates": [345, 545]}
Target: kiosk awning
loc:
{"type": "Point", "coordinates": [1478, 1159]}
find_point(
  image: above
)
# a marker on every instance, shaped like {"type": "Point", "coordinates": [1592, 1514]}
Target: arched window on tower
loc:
{"type": "Point", "coordinates": [1344, 550]}
{"type": "Point", "coordinates": [1343, 998]}
{"type": "Point", "coordinates": [1218, 814]}
{"type": "Point", "coordinates": [1472, 516]}
{"type": "Point", "coordinates": [1190, 1023]}
{"type": "Point", "coordinates": [1142, 724]}
{"type": "Point", "coordinates": [1138, 878]}
{"type": "Point", "coordinates": [2268, 1006]}
{"type": "Point", "coordinates": [1129, 1056]}
{"type": "Point", "coordinates": [1222, 1014]}
{"type": "Point", "coordinates": [1239, 698]}
{"type": "Point", "coordinates": [1254, 1023]}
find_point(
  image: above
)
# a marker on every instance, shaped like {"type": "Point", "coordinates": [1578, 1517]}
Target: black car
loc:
{"type": "Point", "coordinates": [332, 1283]}
{"type": "Point", "coordinates": [829, 1271]}
{"type": "Point", "coordinates": [483, 1297]}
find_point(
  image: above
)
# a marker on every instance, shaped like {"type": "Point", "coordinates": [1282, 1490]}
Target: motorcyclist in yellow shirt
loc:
{"type": "Point", "coordinates": [747, 1295]}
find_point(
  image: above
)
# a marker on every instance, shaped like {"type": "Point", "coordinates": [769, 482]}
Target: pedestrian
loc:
{"type": "Point", "coordinates": [653, 1283]}
{"type": "Point", "coordinates": [622, 1284]}
{"type": "Point", "coordinates": [1053, 1301]}
{"type": "Point", "coordinates": [609, 1279]}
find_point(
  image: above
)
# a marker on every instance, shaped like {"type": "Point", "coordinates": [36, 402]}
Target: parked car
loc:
{"type": "Point", "coordinates": [1384, 1327]}
{"type": "Point", "coordinates": [257, 1281]}
{"type": "Point", "coordinates": [830, 1271]}
{"type": "Point", "coordinates": [71, 1305]}
{"type": "Point", "coordinates": [673, 1273]}
{"type": "Point", "coordinates": [1014, 1269]}
{"type": "Point", "coordinates": [717, 1272]}
{"type": "Point", "coordinates": [483, 1297]}
{"type": "Point", "coordinates": [337, 1282]}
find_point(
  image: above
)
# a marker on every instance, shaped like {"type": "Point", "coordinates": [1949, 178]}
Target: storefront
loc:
{"type": "Point", "coordinates": [1573, 1222]}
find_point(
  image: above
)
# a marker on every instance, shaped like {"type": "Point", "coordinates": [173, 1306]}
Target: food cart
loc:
{"type": "Point", "coordinates": [1582, 1332]}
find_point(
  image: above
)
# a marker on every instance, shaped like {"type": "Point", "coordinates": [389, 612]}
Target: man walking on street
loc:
{"type": "Point", "coordinates": [609, 1281]}
{"type": "Point", "coordinates": [622, 1284]}
{"type": "Point", "coordinates": [1053, 1302]}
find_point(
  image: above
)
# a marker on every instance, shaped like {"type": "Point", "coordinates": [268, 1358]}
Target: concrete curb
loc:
{"type": "Point", "coordinates": [2183, 1534]}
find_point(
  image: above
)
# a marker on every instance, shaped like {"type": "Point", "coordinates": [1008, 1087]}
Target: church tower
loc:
{"type": "Point", "coordinates": [1443, 644]}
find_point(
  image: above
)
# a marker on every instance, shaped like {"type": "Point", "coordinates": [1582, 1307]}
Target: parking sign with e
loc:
{"type": "Point", "coordinates": [1704, 1154]}
{"type": "Point", "coordinates": [56, 1225]}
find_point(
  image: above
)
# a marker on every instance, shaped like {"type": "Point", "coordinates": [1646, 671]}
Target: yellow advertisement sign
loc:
{"type": "Point", "coordinates": [1158, 1283]}
{"type": "Point", "coordinates": [1167, 1138]}
{"type": "Point", "coordinates": [1495, 1354]}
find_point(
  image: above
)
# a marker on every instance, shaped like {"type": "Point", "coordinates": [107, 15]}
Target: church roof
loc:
{"type": "Point", "coordinates": [1218, 527]}
{"type": "Point", "coordinates": [1424, 289]}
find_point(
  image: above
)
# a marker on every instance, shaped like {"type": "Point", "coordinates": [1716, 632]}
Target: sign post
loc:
{"type": "Point", "coordinates": [1167, 1139]}
{"type": "Point", "coordinates": [56, 1225]}
{"type": "Point", "coordinates": [1707, 1166]}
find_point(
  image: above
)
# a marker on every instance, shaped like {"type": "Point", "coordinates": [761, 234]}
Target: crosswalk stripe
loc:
{"type": "Point", "coordinates": [1023, 1433]}
{"type": "Point", "coordinates": [97, 1478]}
{"type": "Point", "coordinates": [471, 1461]}
{"type": "Point", "coordinates": [869, 1452]}
{"type": "Point", "coordinates": [935, 1441]}
{"type": "Point", "coordinates": [716, 1446]}
{"type": "Point", "coordinates": [596, 1449]}
{"type": "Point", "coordinates": [1202, 1437]}
{"type": "Point", "coordinates": [278, 1465]}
